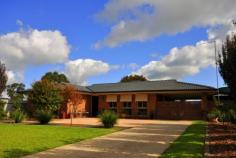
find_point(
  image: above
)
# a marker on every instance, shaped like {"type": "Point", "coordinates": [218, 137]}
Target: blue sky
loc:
{"type": "Point", "coordinates": [86, 23]}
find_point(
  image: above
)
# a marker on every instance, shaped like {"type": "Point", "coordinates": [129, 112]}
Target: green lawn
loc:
{"type": "Point", "coordinates": [17, 139]}
{"type": "Point", "coordinates": [190, 144]}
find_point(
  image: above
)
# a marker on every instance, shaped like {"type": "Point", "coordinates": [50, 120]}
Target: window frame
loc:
{"type": "Point", "coordinates": [113, 106]}
{"type": "Point", "coordinates": [127, 108]}
{"type": "Point", "coordinates": [142, 108]}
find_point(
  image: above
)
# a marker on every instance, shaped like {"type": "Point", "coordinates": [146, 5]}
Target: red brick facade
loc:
{"type": "Point", "coordinates": [162, 110]}
{"type": "Point", "coordinates": [155, 109]}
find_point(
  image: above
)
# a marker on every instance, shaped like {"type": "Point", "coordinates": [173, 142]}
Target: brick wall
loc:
{"type": "Point", "coordinates": [134, 107]}
{"type": "Point", "coordinates": [119, 106]}
{"type": "Point", "coordinates": [179, 110]}
{"type": "Point", "coordinates": [102, 104]}
{"type": "Point", "coordinates": [151, 105]}
{"type": "Point", "coordinates": [163, 110]}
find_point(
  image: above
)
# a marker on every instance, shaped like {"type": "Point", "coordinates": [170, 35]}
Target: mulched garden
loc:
{"type": "Point", "coordinates": [222, 140]}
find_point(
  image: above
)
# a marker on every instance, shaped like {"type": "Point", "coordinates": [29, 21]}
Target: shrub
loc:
{"type": "Point", "coordinates": [18, 116]}
{"type": "Point", "coordinates": [224, 113]}
{"type": "Point", "coordinates": [233, 116]}
{"type": "Point", "coordinates": [108, 118]}
{"type": "Point", "coordinates": [43, 117]}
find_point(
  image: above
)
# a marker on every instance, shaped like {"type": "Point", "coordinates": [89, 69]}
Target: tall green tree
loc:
{"type": "Point", "coordinates": [45, 96]}
{"type": "Point", "coordinates": [55, 77]}
{"type": "Point", "coordinates": [130, 78]}
{"type": "Point", "coordinates": [15, 92]}
{"type": "Point", "coordinates": [3, 78]}
{"type": "Point", "coordinates": [227, 63]}
{"type": "Point", "coordinates": [2, 112]}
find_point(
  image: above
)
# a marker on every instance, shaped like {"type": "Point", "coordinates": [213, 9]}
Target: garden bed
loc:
{"type": "Point", "coordinates": [221, 140]}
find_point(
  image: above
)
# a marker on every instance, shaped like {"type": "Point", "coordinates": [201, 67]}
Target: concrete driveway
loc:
{"type": "Point", "coordinates": [146, 139]}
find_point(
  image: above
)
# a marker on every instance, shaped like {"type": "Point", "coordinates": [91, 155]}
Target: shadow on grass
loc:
{"type": "Point", "coordinates": [189, 144]}
{"type": "Point", "coordinates": [14, 153]}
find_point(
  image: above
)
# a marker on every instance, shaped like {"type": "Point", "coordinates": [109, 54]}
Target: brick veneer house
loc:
{"type": "Point", "coordinates": [163, 99]}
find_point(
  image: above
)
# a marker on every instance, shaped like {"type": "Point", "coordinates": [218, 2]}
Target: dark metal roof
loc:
{"type": "Point", "coordinates": [139, 86]}
{"type": "Point", "coordinates": [83, 88]}
{"type": "Point", "coordinates": [224, 90]}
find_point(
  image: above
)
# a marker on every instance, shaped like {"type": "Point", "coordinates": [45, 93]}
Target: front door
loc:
{"type": "Point", "coordinates": [94, 106]}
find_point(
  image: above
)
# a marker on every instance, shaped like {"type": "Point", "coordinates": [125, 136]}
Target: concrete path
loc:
{"type": "Point", "coordinates": [142, 141]}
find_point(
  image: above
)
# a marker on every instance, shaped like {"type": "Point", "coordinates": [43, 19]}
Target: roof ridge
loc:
{"type": "Point", "coordinates": [89, 88]}
{"type": "Point", "coordinates": [133, 82]}
{"type": "Point", "coordinates": [196, 84]}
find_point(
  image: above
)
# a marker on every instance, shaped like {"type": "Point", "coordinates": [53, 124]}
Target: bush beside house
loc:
{"type": "Point", "coordinates": [108, 118]}
{"type": "Point", "coordinates": [18, 116]}
{"type": "Point", "coordinates": [44, 117]}
{"type": "Point", "coordinates": [223, 113]}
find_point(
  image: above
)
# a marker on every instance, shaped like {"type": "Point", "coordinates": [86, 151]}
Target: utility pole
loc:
{"type": "Point", "coordinates": [217, 76]}
{"type": "Point", "coordinates": [216, 66]}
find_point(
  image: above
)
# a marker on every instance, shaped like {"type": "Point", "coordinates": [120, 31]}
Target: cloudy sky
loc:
{"type": "Point", "coordinates": [97, 41]}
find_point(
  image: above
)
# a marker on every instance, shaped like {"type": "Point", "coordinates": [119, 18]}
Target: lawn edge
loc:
{"type": "Point", "coordinates": [206, 144]}
{"type": "Point", "coordinates": [193, 122]}
{"type": "Point", "coordinates": [118, 130]}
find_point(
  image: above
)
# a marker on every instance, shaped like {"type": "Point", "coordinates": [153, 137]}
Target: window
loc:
{"type": "Point", "coordinates": [113, 106]}
{"type": "Point", "coordinates": [127, 108]}
{"type": "Point", "coordinates": [142, 108]}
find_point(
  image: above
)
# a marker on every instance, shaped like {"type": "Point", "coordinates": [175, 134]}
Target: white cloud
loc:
{"type": "Point", "coordinates": [188, 60]}
{"type": "Point", "coordinates": [78, 71]}
{"type": "Point", "coordinates": [221, 31]}
{"type": "Point", "coordinates": [33, 47]}
{"type": "Point", "coordinates": [11, 78]}
{"type": "Point", "coordinates": [14, 76]}
{"type": "Point", "coordinates": [140, 20]}
{"type": "Point", "coordinates": [180, 62]}
{"type": "Point", "coordinates": [18, 50]}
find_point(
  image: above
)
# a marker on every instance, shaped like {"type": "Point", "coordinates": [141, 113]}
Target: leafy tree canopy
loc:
{"type": "Point", "coordinates": [130, 78]}
{"type": "Point", "coordinates": [14, 91]}
{"type": "Point", "coordinates": [45, 96]}
{"type": "Point", "coordinates": [55, 77]}
{"type": "Point", "coordinates": [2, 112]}
{"type": "Point", "coordinates": [3, 78]}
{"type": "Point", "coordinates": [71, 95]}
{"type": "Point", "coordinates": [227, 63]}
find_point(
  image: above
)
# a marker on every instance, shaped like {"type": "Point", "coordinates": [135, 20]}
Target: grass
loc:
{"type": "Point", "coordinates": [18, 140]}
{"type": "Point", "coordinates": [190, 144]}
